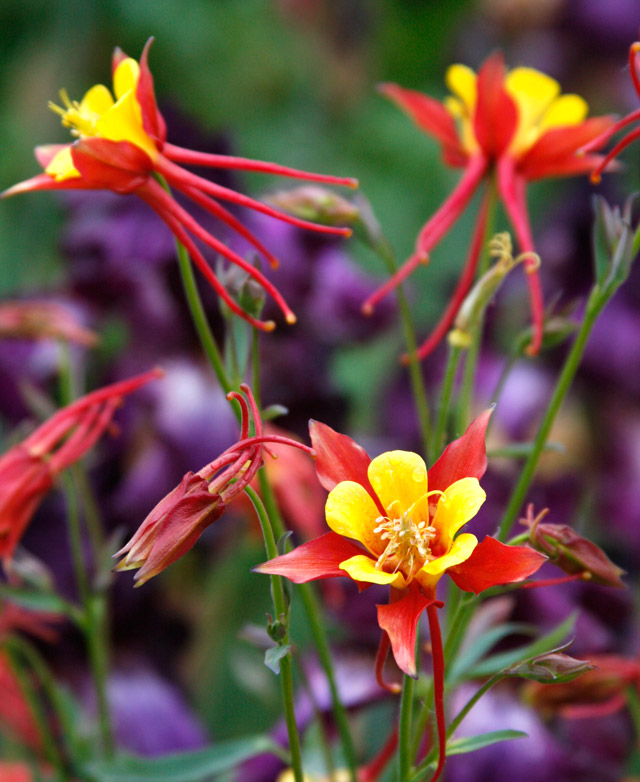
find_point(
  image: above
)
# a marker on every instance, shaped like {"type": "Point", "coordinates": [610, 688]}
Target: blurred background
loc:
{"type": "Point", "coordinates": [294, 82]}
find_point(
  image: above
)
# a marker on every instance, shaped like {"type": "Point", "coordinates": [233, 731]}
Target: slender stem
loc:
{"type": "Point", "coordinates": [198, 315]}
{"type": "Point", "coordinates": [281, 610]}
{"type": "Point", "coordinates": [468, 378]}
{"type": "Point", "coordinates": [94, 616]}
{"type": "Point", "coordinates": [450, 373]}
{"type": "Point", "coordinates": [384, 250]}
{"type": "Point", "coordinates": [595, 304]}
{"type": "Point", "coordinates": [49, 744]}
{"type": "Point", "coordinates": [404, 729]}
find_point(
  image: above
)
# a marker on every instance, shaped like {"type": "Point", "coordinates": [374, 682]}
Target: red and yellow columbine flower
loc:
{"type": "Point", "coordinates": [29, 469]}
{"type": "Point", "coordinates": [395, 523]}
{"type": "Point", "coordinates": [514, 123]}
{"type": "Point", "coordinates": [587, 148]}
{"type": "Point", "coordinates": [179, 519]}
{"type": "Point", "coordinates": [121, 143]}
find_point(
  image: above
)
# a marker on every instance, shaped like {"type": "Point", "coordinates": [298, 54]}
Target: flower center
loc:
{"type": "Point", "coordinates": [408, 541]}
{"type": "Point", "coordinates": [81, 120]}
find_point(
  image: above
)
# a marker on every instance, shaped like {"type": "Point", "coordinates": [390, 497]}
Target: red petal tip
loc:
{"type": "Point", "coordinates": [367, 308]}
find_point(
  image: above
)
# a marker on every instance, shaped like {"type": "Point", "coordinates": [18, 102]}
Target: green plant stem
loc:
{"type": "Point", "coordinates": [281, 611]}
{"type": "Point", "coordinates": [384, 251]}
{"type": "Point", "coordinates": [595, 304]}
{"type": "Point", "coordinates": [405, 753]}
{"type": "Point", "coordinates": [94, 619]}
{"type": "Point", "coordinates": [313, 612]}
{"type": "Point", "coordinates": [469, 375]}
{"type": "Point", "coordinates": [49, 744]}
{"type": "Point", "coordinates": [451, 370]}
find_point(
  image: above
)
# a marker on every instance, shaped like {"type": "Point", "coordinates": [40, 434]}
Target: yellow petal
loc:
{"type": "Point", "coordinates": [125, 77]}
{"type": "Point", "coordinates": [351, 512]}
{"type": "Point", "coordinates": [362, 568]}
{"type": "Point", "coordinates": [399, 478]}
{"type": "Point", "coordinates": [61, 167]}
{"type": "Point", "coordinates": [96, 101]}
{"type": "Point", "coordinates": [461, 80]}
{"type": "Point", "coordinates": [533, 93]}
{"type": "Point", "coordinates": [461, 502]}
{"type": "Point", "coordinates": [123, 123]}
{"type": "Point", "coordinates": [460, 551]}
{"type": "Point", "coordinates": [565, 110]}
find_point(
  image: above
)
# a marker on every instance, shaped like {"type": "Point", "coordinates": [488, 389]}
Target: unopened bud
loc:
{"type": "Point", "coordinates": [612, 242]}
{"type": "Point", "coordinates": [479, 297]}
{"type": "Point", "coordinates": [317, 205]}
{"type": "Point", "coordinates": [572, 552]}
{"type": "Point", "coordinates": [551, 668]}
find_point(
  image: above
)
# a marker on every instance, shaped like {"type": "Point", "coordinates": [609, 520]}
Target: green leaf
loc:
{"type": "Point", "coordinates": [274, 654]}
{"type": "Point", "coordinates": [476, 651]}
{"type": "Point", "coordinates": [472, 743]}
{"type": "Point", "coordinates": [198, 766]}
{"type": "Point", "coordinates": [49, 602]}
{"type": "Point", "coordinates": [546, 643]}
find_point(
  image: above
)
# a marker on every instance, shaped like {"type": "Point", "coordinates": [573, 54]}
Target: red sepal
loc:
{"type": "Point", "coordinates": [316, 559]}
{"type": "Point", "coordinates": [152, 121]}
{"type": "Point", "coordinates": [432, 117]}
{"type": "Point", "coordinates": [465, 457]}
{"type": "Point", "coordinates": [400, 620]}
{"type": "Point", "coordinates": [111, 165]}
{"type": "Point", "coordinates": [493, 563]}
{"type": "Point", "coordinates": [496, 116]}
{"type": "Point", "coordinates": [554, 154]}
{"type": "Point", "coordinates": [338, 457]}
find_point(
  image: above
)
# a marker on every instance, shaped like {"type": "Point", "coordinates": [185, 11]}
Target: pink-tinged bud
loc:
{"type": "Point", "coordinates": [42, 320]}
{"type": "Point", "coordinates": [572, 552]}
{"type": "Point", "coordinates": [179, 519]}
{"type": "Point", "coordinates": [29, 469]}
{"type": "Point", "coordinates": [171, 528]}
{"type": "Point", "coordinates": [316, 204]}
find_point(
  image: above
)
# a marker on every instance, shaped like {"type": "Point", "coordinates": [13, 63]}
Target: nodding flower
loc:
{"type": "Point", "coordinates": [121, 144]}
{"type": "Point", "coordinates": [29, 469]}
{"type": "Point", "coordinates": [178, 520]}
{"type": "Point", "coordinates": [395, 523]}
{"type": "Point", "coordinates": [514, 126]}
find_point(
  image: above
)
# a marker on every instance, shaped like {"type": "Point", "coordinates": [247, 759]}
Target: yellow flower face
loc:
{"type": "Point", "coordinates": [415, 537]}
{"type": "Point", "coordinates": [101, 115]}
{"type": "Point", "coordinates": [537, 97]}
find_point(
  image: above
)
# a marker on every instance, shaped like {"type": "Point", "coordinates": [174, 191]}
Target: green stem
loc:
{"type": "Point", "coordinates": [404, 729]}
{"type": "Point", "coordinates": [281, 613]}
{"type": "Point", "coordinates": [198, 315]}
{"type": "Point", "coordinates": [450, 373]}
{"type": "Point", "coordinates": [49, 744]}
{"type": "Point", "coordinates": [94, 618]}
{"type": "Point", "coordinates": [385, 252]}
{"type": "Point", "coordinates": [595, 304]}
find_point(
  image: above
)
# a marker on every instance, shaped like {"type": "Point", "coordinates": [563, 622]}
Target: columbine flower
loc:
{"type": "Point", "coordinates": [514, 123]}
{"type": "Point", "coordinates": [179, 519]}
{"type": "Point", "coordinates": [29, 469]}
{"type": "Point", "coordinates": [121, 143]}
{"type": "Point", "coordinates": [602, 138]}
{"type": "Point", "coordinates": [405, 522]}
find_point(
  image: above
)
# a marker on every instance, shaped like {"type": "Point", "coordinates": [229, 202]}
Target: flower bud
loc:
{"type": "Point", "coordinates": [551, 668]}
{"type": "Point", "coordinates": [572, 552]}
{"type": "Point", "coordinates": [478, 298]}
{"type": "Point", "coordinates": [317, 204]}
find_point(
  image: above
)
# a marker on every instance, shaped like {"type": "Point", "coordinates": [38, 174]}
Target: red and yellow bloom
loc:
{"type": "Point", "coordinates": [514, 123]}
{"type": "Point", "coordinates": [121, 143]}
{"type": "Point", "coordinates": [395, 523]}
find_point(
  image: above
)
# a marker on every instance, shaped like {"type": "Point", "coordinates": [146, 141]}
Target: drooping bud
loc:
{"type": "Point", "coordinates": [554, 667]}
{"type": "Point", "coordinates": [612, 242]}
{"type": "Point", "coordinates": [39, 319]}
{"type": "Point", "coordinates": [572, 552]}
{"type": "Point", "coordinates": [316, 204]}
{"type": "Point", "coordinates": [470, 313]}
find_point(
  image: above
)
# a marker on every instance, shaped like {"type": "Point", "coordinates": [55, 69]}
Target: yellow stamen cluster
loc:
{"type": "Point", "coordinates": [82, 122]}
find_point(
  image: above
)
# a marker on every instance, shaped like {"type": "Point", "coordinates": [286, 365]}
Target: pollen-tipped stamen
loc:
{"type": "Point", "coordinates": [623, 144]}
